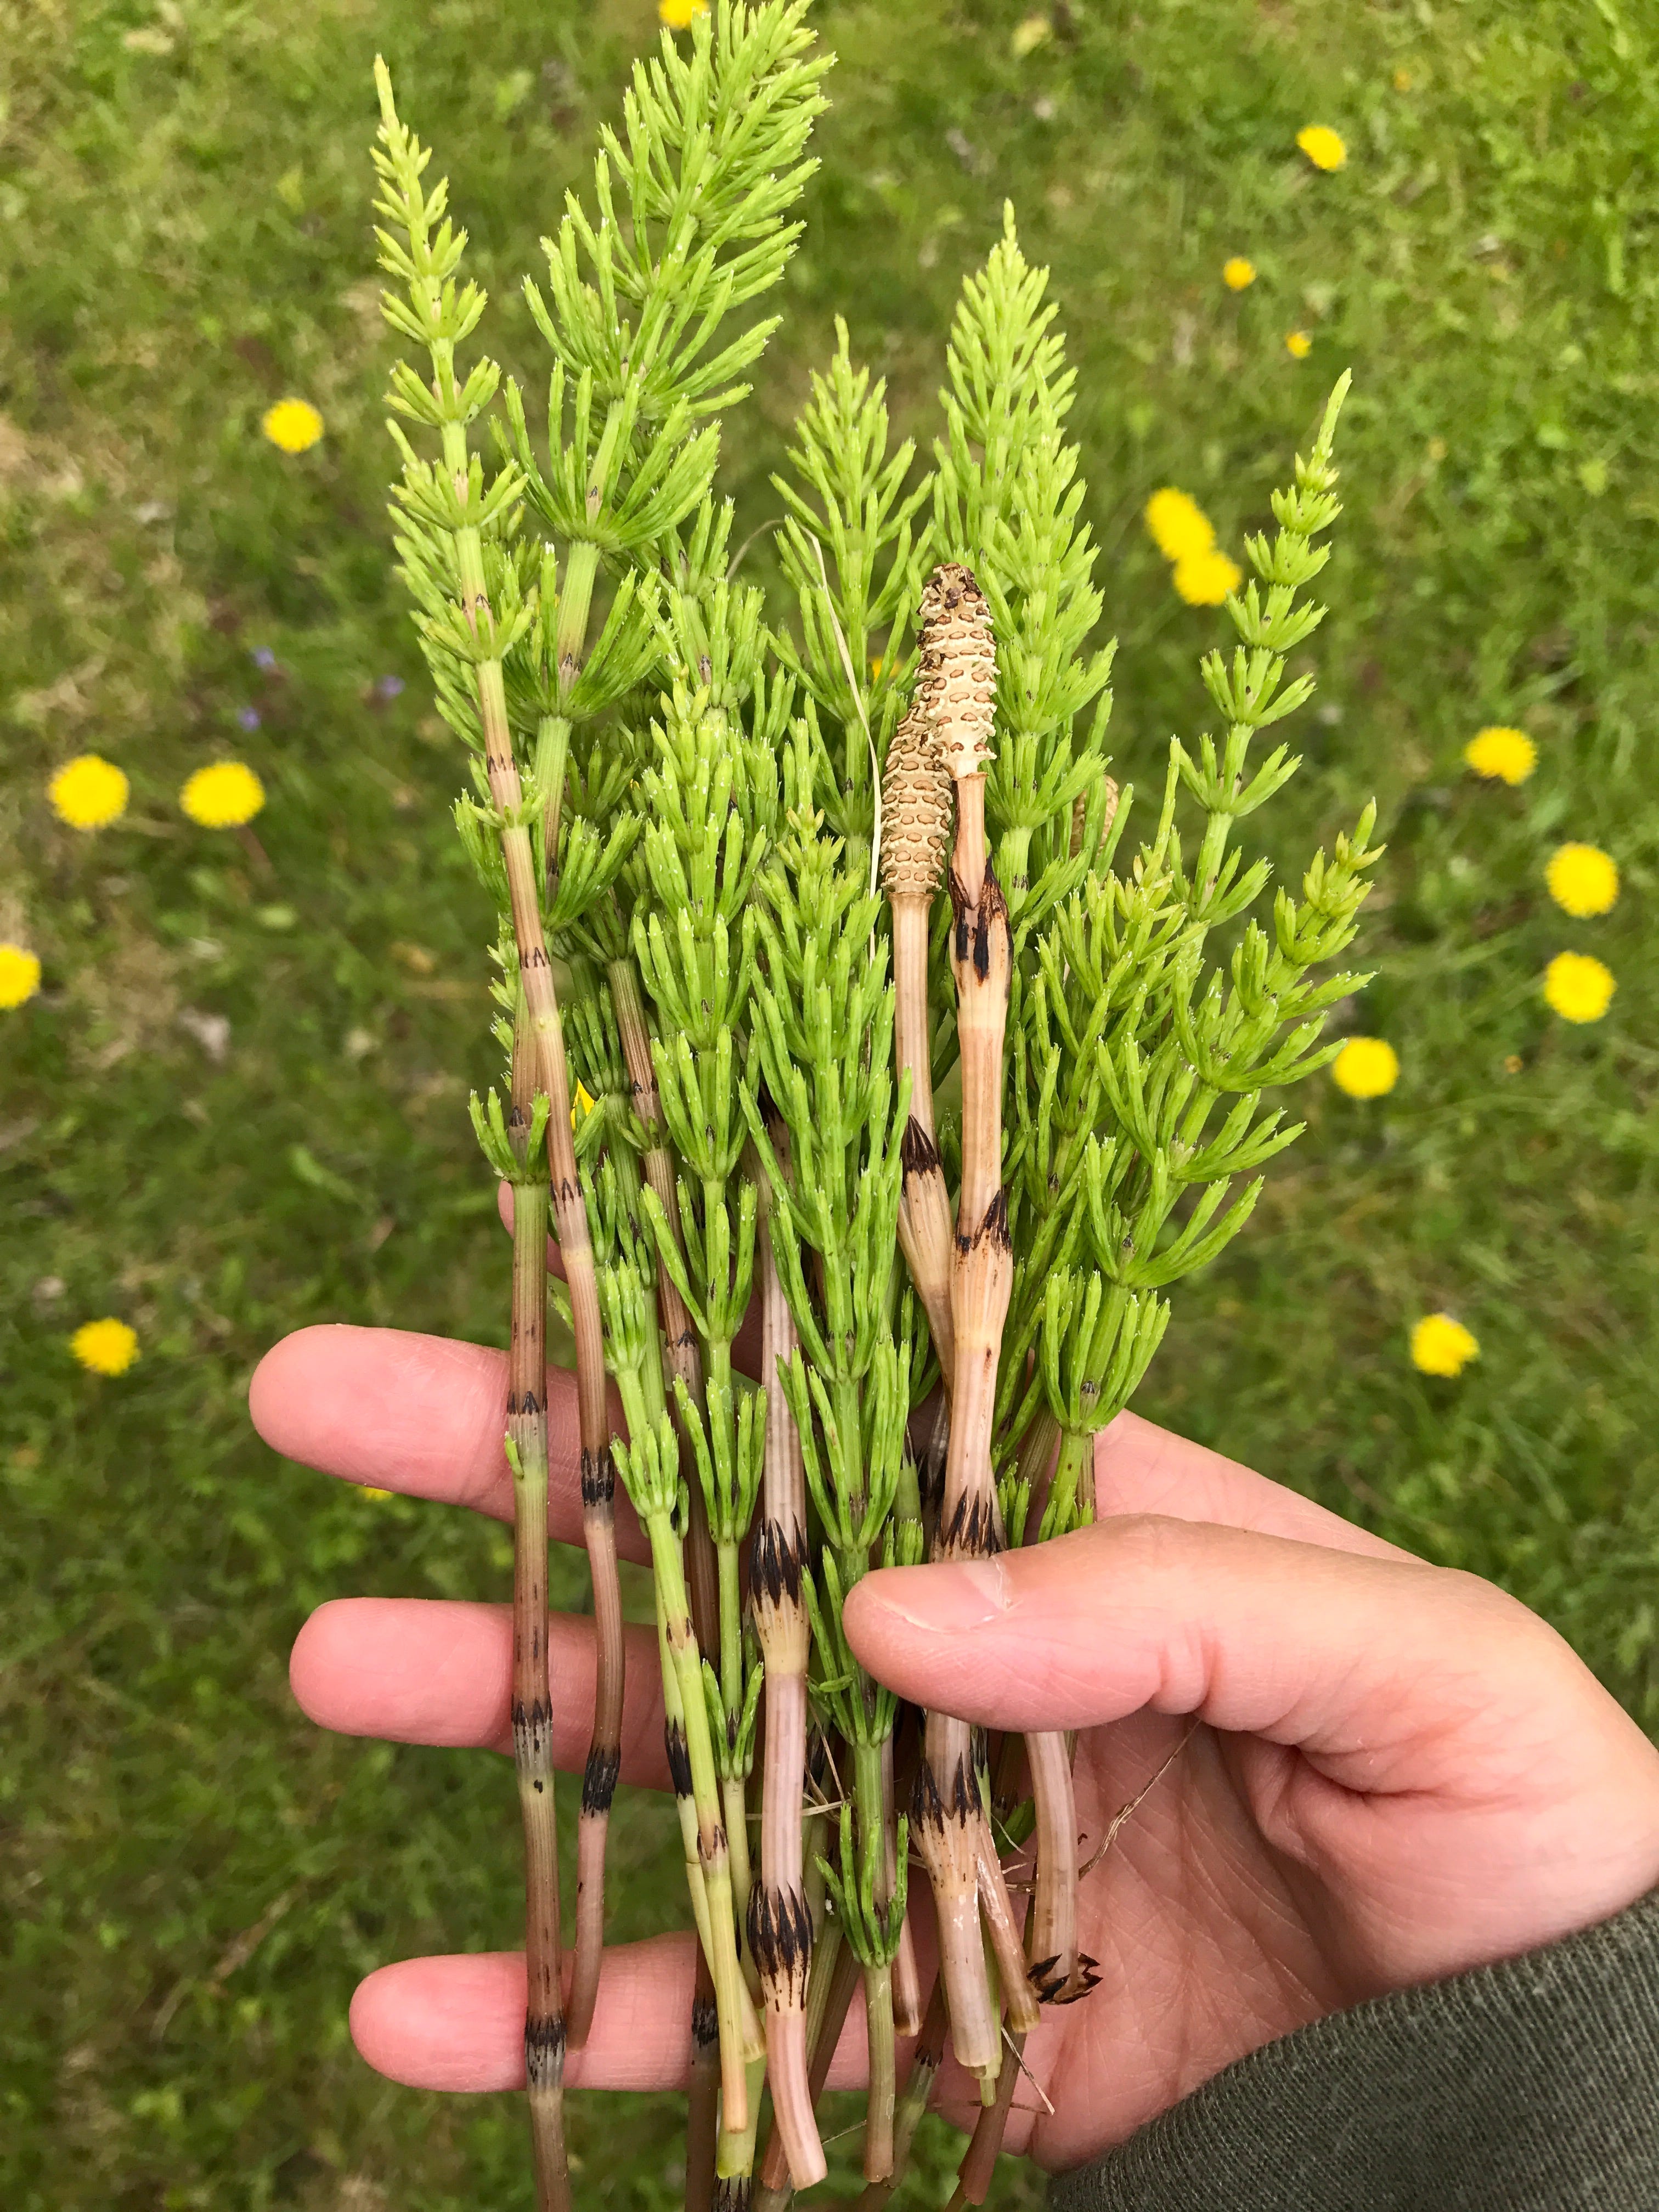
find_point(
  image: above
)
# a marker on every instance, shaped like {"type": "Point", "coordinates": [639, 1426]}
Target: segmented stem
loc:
{"type": "Point", "coordinates": [779, 1927]}
{"type": "Point", "coordinates": [679, 1339]}
{"type": "Point", "coordinates": [703, 2104]}
{"type": "Point", "coordinates": [951, 1827]}
{"type": "Point", "coordinates": [924, 2062]}
{"type": "Point", "coordinates": [829, 1994]}
{"type": "Point", "coordinates": [533, 1712]}
{"type": "Point", "coordinates": [570, 1221]}
{"type": "Point", "coordinates": [740, 2034]}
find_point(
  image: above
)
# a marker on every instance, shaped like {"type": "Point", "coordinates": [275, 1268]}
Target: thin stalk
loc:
{"type": "Point", "coordinates": [570, 1218]}
{"type": "Point", "coordinates": [878, 2118]}
{"type": "Point", "coordinates": [704, 2107]}
{"type": "Point", "coordinates": [734, 1797]}
{"type": "Point", "coordinates": [780, 1927]}
{"type": "Point", "coordinates": [925, 2061]}
{"type": "Point", "coordinates": [978, 2161]}
{"type": "Point", "coordinates": [739, 2030]}
{"type": "Point", "coordinates": [1061, 1971]}
{"type": "Point", "coordinates": [906, 1981]}
{"type": "Point", "coordinates": [871, 1773]}
{"type": "Point", "coordinates": [830, 1996]}
{"type": "Point", "coordinates": [679, 1338]}
{"type": "Point", "coordinates": [1005, 1936]}
{"type": "Point", "coordinates": [735, 2155]}
{"type": "Point", "coordinates": [552, 751]}
{"type": "Point", "coordinates": [924, 1220]}
{"type": "Point", "coordinates": [958, 683]}
{"type": "Point", "coordinates": [679, 1770]}
{"type": "Point", "coordinates": [533, 1712]}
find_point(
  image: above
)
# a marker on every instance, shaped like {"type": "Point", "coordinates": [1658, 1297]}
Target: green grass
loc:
{"type": "Point", "coordinates": [185, 202]}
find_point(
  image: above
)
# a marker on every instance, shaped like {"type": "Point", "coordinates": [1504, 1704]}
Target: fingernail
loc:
{"type": "Point", "coordinates": [951, 1599]}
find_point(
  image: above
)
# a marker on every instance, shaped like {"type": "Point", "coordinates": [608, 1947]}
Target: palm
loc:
{"type": "Point", "coordinates": [1398, 1773]}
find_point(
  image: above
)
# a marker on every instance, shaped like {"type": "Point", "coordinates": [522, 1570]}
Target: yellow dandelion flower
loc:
{"type": "Point", "coordinates": [1403, 79]}
{"type": "Point", "coordinates": [1028, 36]}
{"type": "Point", "coordinates": [1297, 344]}
{"type": "Point", "coordinates": [680, 14]}
{"type": "Point", "coordinates": [1325, 148]}
{"type": "Point", "coordinates": [1441, 1346]}
{"type": "Point", "coordinates": [1238, 273]}
{"type": "Point", "coordinates": [369, 1491]}
{"type": "Point", "coordinates": [582, 1105]}
{"type": "Point", "coordinates": [1179, 525]}
{"type": "Point", "coordinates": [108, 1346]}
{"type": "Point", "coordinates": [293, 426]}
{"type": "Point", "coordinates": [1582, 879]}
{"type": "Point", "coordinates": [20, 975]}
{"type": "Point", "coordinates": [1578, 987]}
{"type": "Point", "coordinates": [1204, 579]}
{"type": "Point", "coordinates": [1366, 1068]}
{"type": "Point", "coordinates": [89, 792]}
{"type": "Point", "coordinates": [877, 663]}
{"type": "Point", "coordinates": [222, 797]}
{"type": "Point", "coordinates": [1502, 755]}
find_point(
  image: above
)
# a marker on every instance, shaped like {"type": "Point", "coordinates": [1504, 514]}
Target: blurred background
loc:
{"type": "Point", "coordinates": [235, 1104]}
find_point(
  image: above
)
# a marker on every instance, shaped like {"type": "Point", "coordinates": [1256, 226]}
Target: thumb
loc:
{"type": "Point", "coordinates": [1361, 1661]}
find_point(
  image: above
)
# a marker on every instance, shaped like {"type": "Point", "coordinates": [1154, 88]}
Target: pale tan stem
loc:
{"type": "Point", "coordinates": [946, 1818]}
{"type": "Point", "coordinates": [924, 1223]}
{"type": "Point", "coordinates": [780, 1927]}
{"type": "Point", "coordinates": [1058, 1968]}
{"type": "Point", "coordinates": [836, 1974]}
{"type": "Point", "coordinates": [978, 2161]}
{"type": "Point", "coordinates": [1007, 1941]}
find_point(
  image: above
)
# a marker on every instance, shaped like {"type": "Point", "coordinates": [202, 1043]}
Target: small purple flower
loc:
{"type": "Point", "coordinates": [388, 687]}
{"type": "Point", "coordinates": [248, 718]}
{"type": "Point", "coordinates": [264, 658]}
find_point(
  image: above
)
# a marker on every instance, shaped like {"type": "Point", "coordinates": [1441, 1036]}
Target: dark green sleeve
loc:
{"type": "Point", "coordinates": [1529, 2085]}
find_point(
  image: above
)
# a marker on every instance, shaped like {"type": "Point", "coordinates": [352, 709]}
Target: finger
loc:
{"type": "Point", "coordinates": [1141, 1468]}
{"type": "Point", "coordinates": [1354, 1658]}
{"type": "Point", "coordinates": [458, 2022]}
{"type": "Point", "coordinates": [745, 1345]}
{"type": "Point", "coordinates": [423, 1415]}
{"type": "Point", "coordinates": [428, 1670]}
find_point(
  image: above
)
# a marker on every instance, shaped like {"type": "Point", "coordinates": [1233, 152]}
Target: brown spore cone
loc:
{"type": "Point", "coordinates": [958, 679]}
{"type": "Point", "coordinates": [915, 811]}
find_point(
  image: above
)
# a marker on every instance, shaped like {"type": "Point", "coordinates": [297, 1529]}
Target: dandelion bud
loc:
{"type": "Point", "coordinates": [916, 812]}
{"type": "Point", "coordinates": [958, 684]}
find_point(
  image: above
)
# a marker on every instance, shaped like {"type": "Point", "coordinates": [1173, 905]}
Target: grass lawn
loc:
{"type": "Point", "coordinates": [237, 1104]}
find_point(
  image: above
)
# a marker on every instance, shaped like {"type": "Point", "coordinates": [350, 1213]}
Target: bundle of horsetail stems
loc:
{"type": "Point", "coordinates": [835, 998]}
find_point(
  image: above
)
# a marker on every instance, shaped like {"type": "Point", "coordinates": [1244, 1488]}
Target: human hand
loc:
{"type": "Point", "coordinates": [1398, 1773]}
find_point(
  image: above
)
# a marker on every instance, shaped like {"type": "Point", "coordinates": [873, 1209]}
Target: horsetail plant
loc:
{"type": "Point", "coordinates": [511, 1146]}
{"type": "Point", "coordinates": [762, 888]}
